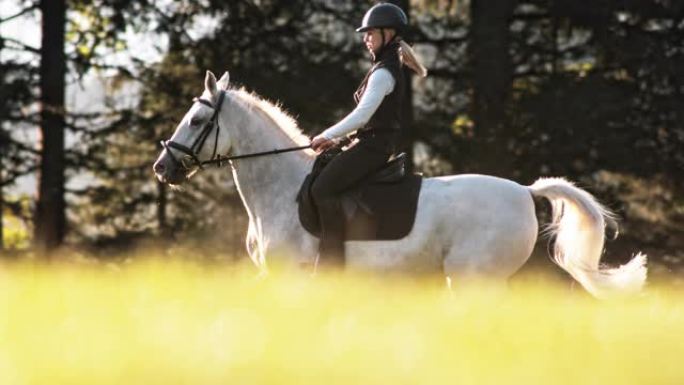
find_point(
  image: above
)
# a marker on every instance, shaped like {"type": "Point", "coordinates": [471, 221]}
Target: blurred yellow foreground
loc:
{"type": "Point", "coordinates": [183, 323]}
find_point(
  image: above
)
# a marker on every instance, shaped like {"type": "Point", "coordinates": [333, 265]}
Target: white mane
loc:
{"type": "Point", "coordinates": [274, 112]}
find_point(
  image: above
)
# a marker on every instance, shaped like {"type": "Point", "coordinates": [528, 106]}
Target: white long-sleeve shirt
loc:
{"type": "Point", "coordinates": [380, 84]}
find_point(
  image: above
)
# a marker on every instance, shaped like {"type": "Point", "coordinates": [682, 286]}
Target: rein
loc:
{"type": "Point", "coordinates": [221, 159]}
{"type": "Point", "coordinates": [194, 150]}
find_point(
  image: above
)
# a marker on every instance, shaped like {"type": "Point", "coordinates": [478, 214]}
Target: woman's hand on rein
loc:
{"type": "Point", "coordinates": [320, 144]}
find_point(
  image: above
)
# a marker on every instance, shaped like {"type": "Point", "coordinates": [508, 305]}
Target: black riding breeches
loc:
{"type": "Point", "coordinates": [341, 174]}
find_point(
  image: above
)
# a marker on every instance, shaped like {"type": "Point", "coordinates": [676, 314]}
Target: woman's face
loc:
{"type": "Point", "coordinates": [373, 38]}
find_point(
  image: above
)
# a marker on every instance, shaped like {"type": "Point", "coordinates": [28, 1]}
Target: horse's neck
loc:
{"type": "Point", "coordinates": [267, 184]}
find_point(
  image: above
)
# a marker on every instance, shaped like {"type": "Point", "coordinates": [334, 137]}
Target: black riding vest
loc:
{"type": "Point", "coordinates": [387, 118]}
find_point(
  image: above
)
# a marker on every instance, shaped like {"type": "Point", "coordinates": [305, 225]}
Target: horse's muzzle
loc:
{"type": "Point", "coordinates": [167, 171]}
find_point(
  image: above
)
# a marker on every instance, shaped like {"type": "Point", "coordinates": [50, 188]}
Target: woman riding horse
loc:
{"type": "Point", "coordinates": [376, 119]}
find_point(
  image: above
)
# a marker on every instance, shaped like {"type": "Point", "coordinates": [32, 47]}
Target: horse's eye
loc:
{"type": "Point", "coordinates": [195, 122]}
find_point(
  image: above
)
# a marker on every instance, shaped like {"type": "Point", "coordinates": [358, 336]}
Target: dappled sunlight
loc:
{"type": "Point", "coordinates": [171, 321]}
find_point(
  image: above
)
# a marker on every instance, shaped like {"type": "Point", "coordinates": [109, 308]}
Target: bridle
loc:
{"type": "Point", "coordinates": [193, 151]}
{"type": "Point", "coordinates": [196, 147]}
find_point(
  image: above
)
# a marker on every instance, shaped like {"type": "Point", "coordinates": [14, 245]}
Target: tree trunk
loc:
{"type": "Point", "coordinates": [50, 222]}
{"type": "Point", "coordinates": [492, 73]}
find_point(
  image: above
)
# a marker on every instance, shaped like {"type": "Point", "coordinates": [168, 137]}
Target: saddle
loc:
{"type": "Point", "coordinates": [382, 207]}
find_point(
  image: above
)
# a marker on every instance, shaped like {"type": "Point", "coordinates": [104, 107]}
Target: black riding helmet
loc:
{"type": "Point", "coordinates": [384, 15]}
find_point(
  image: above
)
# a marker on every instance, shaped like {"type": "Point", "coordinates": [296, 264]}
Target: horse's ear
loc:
{"type": "Point", "coordinates": [210, 83]}
{"type": "Point", "coordinates": [223, 82]}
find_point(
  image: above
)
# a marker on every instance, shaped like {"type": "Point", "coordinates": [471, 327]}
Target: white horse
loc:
{"type": "Point", "coordinates": [466, 225]}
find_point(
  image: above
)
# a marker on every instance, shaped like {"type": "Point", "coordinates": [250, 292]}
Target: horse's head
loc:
{"type": "Point", "coordinates": [198, 137]}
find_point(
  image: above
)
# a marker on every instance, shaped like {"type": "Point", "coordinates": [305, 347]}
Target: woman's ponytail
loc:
{"type": "Point", "coordinates": [409, 58]}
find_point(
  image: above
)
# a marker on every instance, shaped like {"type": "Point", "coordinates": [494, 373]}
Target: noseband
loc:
{"type": "Point", "coordinates": [194, 150]}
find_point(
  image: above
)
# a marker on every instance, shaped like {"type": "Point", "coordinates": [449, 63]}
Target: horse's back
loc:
{"type": "Point", "coordinates": [474, 192]}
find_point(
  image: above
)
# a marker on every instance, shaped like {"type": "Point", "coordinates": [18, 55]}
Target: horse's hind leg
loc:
{"type": "Point", "coordinates": [483, 286]}
{"type": "Point", "coordinates": [463, 279]}
{"type": "Point", "coordinates": [459, 273]}
{"type": "Point", "coordinates": [490, 263]}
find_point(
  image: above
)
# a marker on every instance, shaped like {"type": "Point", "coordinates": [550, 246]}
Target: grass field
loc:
{"type": "Point", "coordinates": [162, 322]}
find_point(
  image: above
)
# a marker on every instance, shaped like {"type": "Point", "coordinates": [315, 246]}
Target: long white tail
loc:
{"type": "Point", "coordinates": [578, 225]}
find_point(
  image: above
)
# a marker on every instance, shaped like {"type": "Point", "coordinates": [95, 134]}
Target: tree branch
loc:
{"type": "Point", "coordinates": [23, 46]}
{"type": "Point", "coordinates": [13, 175]}
{"type": "Point", "coordinates": [22, 147]}
{"type": "Point", "coordinates": [24, 11]}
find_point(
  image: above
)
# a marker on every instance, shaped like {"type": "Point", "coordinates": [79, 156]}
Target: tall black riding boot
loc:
{"type": "Point", "coordinates": [331, 250]}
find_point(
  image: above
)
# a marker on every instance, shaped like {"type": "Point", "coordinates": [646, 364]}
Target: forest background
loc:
{"type": "Point", "coordinates": [590, 90]}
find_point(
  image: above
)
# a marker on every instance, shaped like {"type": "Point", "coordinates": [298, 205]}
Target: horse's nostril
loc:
{"type": "Point", "coordinates": [159, 168]}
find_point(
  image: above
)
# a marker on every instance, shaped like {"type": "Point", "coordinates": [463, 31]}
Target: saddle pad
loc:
{"type": "Point", "coordinates": [387, 211]}
{"type": "Point", "coordinates": [382, 211]}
